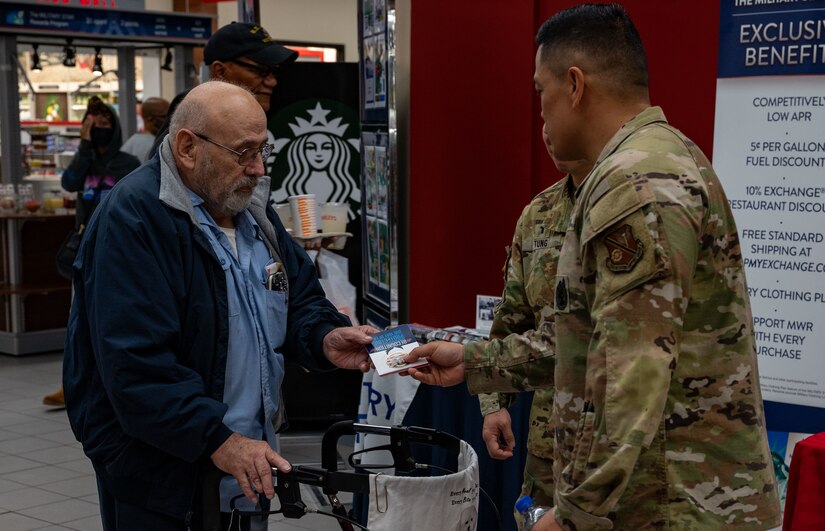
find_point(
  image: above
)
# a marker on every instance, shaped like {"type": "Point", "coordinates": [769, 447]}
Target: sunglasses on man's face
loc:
{"type": "Point", "coordinates": [259, 70]}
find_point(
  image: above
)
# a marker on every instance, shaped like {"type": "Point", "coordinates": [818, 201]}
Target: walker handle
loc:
{"type": "Point", "coordinates": [400, 437]}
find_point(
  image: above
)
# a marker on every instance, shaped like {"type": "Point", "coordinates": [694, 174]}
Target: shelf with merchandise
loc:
{"type": "Point", "coordinates": [47, 148]}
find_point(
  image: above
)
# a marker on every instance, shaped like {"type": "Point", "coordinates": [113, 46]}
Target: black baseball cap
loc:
{"type": "Point", "coordinates": [240, 39]}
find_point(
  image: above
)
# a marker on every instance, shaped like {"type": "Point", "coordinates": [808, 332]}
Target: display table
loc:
{"type": "Point", "coordinates": [35, 300]}
{"type": "Point", "coordinates": [805, 500]}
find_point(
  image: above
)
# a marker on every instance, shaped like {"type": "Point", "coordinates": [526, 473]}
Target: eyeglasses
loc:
{"type": "Point", "coordinates": [259, 70]}
{"type": "Point", "coordinates": [245, 157]}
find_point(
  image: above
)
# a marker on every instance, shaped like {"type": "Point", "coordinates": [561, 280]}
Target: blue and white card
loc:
{"type": "Point", "coordinates": [389, 348]}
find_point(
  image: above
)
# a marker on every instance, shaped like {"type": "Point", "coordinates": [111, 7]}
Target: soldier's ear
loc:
{"type": "Point", "coordinates": [576, 85]}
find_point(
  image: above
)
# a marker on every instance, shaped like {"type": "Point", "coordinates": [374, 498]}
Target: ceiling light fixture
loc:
{"type": "Point", "coordinates": [97, 69]}
{"type": "Point", "coordinates": [69, 54]}
{"type": "Point", "coordinates": [35, 60]}
{"type": "Point", "coordinates": [167, 61]}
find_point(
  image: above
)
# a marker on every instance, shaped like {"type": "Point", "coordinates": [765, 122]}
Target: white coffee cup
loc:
{"type": "Point", "coordinates": [284, 211]}
{"type": "Point", "coordinates": [334, 217]}
{"type": "Point", "coordinates": [304, 215]}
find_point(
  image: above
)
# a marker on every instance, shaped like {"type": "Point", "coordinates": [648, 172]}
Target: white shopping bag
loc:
{"type": "Point", "coordinates": [384, 402]}
{"type": "Point", "coordinates": [334, 280]}
{"type": "Point", "coordinates": [439, 503]}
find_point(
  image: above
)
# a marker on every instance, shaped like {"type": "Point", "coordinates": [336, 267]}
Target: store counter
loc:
{"type": "Point", "coordinates": [34, 299]}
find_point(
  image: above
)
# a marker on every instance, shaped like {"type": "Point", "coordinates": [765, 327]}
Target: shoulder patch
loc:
{"type": "Point", "coordinates": [562, 296]}
{"type": "Point", "coordinates": [623, 249]}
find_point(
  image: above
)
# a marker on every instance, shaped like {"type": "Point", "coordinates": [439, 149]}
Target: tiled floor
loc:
{"type": "Point", "coordinates": [46, 483]}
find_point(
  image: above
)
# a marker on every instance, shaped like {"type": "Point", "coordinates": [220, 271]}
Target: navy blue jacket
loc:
{"type": "Point", "coordinates": [146, 344]}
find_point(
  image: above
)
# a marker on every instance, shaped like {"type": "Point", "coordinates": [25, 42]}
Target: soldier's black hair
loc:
{"type": "Point", "coordinates": [603, 35]}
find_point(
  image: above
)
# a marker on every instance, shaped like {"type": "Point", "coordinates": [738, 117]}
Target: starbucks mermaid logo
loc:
{"type": "Point", "coordinates": [317, 153]}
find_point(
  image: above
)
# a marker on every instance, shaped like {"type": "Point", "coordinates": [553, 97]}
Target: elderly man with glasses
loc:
{"type": "Point", "coordinates": [189, 294]}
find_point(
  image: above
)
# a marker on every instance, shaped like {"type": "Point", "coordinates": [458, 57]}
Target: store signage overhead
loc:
{"type": "Point", "coordinates": [62, 21]}
{"type": "Point", "coordinates": [128, 5]}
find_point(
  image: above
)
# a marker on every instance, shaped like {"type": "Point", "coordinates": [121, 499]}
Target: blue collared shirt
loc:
{"type": "Point", "coordinates": [257, 327]}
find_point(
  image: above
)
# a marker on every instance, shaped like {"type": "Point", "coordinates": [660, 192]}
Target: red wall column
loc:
{"type": "Point", "coordinates": [475, 153]}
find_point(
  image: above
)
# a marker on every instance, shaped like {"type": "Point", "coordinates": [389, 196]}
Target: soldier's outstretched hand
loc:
{"type": "Point", "coordinates": [446, 366]}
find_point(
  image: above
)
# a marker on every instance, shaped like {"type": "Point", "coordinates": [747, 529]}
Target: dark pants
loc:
{"type": "Point", "coordinates": [120, 516]}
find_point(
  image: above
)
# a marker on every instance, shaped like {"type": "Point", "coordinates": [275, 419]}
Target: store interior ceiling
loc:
{"type": "Point", "coordinates": [57, 46]}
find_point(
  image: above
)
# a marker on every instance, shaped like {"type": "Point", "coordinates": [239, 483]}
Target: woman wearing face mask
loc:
{"type": "Point", "coordinates": [98, 163]}
{"type": "Point", "coordinates": [93, 171]}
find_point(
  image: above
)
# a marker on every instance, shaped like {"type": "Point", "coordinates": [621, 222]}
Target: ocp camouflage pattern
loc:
{"type": "Point", "coordinates": [658, 414]}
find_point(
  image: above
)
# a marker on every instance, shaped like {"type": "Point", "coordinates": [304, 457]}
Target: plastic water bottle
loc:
{"type": "Point", "coordinates": [530, 511]}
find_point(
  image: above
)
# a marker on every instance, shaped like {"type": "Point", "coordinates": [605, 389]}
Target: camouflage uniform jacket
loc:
{"type": "Point", "coordinates": [658, 412]}
{"type": "Point", "coordinates": [523, 325]}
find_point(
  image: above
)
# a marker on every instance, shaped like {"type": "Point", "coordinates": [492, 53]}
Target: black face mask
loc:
{"type": "Point", "coordinates": [101, 136]}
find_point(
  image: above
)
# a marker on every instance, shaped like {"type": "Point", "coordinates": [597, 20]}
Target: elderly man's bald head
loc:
{"type": "Point", "coordinates": [214, 129]}
{"type": "Point", "coordinates": [214, 104]}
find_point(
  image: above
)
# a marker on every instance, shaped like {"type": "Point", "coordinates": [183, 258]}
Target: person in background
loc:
{"type": "Point", "coordinates": [189, 296]}
{"type": "Point", "coordinates": [140, 144]}
{"type": "Point", "coordinates": [658, 417]}
{"type": "Point", "coordinates": [99, 162]}
{"type": "Point", "coordinates": [95, 168]}
{"type": "Point", "coordinates": [139, 115]}
{"type": "Point", "coordinates": [244, 54]}
{"type": "Point", "coordinates": [523, 328]}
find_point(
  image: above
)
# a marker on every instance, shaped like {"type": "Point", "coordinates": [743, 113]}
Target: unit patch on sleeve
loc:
{"type": "Point", "coordinates": [562, 295]}
{"type": "Point", "coordinates": [623, 249]}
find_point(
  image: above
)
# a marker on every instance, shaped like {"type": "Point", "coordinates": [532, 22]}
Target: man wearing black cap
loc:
{"type": "Point", "coordinates": [244, 54]}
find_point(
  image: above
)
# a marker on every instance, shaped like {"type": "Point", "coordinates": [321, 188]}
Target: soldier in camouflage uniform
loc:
{"type": "Point", "coordinates": [658, 415]}
{"type": "Point", "coordinates": [523, 328]}
{"type": "Point", "coordinates": [658, 412]}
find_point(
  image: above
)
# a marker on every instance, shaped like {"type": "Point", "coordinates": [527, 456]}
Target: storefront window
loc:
{"type": "Point", "coordinates": [60, 93]}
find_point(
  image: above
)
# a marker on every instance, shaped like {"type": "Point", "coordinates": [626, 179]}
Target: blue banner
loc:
{"type": "Point", "coordinates": [119, 25]}
{"type": "Point", "coordinates": [771, 38]}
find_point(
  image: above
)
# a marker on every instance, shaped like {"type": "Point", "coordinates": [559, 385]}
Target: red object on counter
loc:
{"type": "Point", "coordinates": [25, 123]}
{"type": "Point", "coordinates": [805, 499]}
{"type": "Point", "coordinates": [32, 205]}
